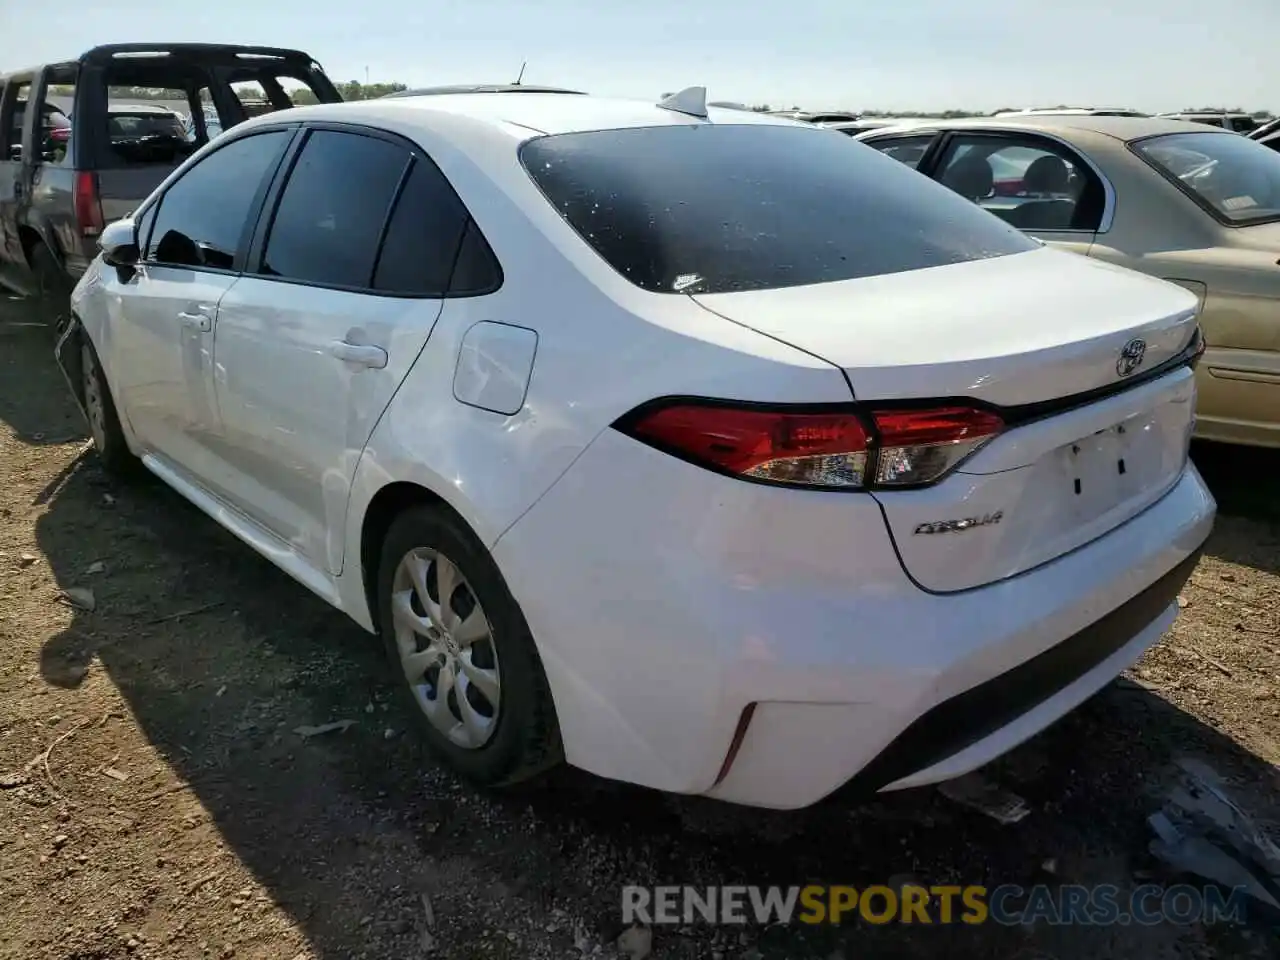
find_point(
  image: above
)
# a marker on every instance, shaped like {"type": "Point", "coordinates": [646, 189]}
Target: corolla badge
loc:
{"type": "Point", "coordinates": [958, 526]}
{"type": "Point", "coordinates": [1131, 355]}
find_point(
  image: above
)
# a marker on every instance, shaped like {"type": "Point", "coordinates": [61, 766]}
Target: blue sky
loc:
{"type": "Point", "coordinates": [899, 54]}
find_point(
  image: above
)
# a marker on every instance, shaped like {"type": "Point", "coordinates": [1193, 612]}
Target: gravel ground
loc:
{"type": "Point", "coordinates": [155, 801]}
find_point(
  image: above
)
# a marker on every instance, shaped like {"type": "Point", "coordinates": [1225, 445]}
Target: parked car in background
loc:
{"type": "Point", "coordinates": [102, 144]}
{"type": "Point", "coordinates": [144, 133]}
{"type": "Point", "coordinates": [477, 88]}
{"type": "Point", "coordinates": [1072, 112]}
{"type": "Point", "coordinates": [809, 116]}
{"type": "Point", "coordinates": [557, 393]}
{"type": "Point", "coordinates": [854, 127]}
{"type": "Point", "coordinates": [1170, 198]}
{"type": "Point", "coordinates": [1268, 134]}
{"type": "Point", "coordinates": [1235, 122]}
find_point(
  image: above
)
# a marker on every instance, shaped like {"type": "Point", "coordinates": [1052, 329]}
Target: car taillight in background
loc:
{"type": "Point", "coordinates": [843, 450]}
{"type": "Point", "coordinates": [88, 205]}
{"type": "Point", "coordinates": [60, 134]}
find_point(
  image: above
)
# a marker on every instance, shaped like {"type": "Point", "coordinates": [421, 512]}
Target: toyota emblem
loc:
{"type": "Point", "coordinates": [1131, 357]}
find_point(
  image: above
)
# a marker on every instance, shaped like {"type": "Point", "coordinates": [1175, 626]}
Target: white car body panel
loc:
{"type": "Point", "coordinates": [295, 414]}
{"type": "Point", "coordinates": [729, 593]}
{"type": "Point", "coordinates": [665, 599]}
{"type": "Point", "coordinates": [1055, 330]}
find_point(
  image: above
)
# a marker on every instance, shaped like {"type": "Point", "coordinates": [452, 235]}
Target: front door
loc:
{"type": "Point", "coordinates": [159, 346]}
{"type": "Point", "coordinates": [315, 339]}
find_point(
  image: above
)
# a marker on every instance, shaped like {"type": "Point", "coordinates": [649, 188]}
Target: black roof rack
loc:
{"type": "Point", "coordinates": [227, 52]}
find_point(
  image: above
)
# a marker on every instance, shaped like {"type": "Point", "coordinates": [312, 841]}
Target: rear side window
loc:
{"type": "Point", "coordinates": [204, 213]}
{"type": "Point", "coordinates": [708, 208]}
{"type": "Point", "coordinates": [331, 213]}
{"type": "Point", "coordinates": [422, 238]}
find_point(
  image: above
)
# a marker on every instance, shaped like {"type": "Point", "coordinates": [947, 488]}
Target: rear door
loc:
{"type": "Point", "coordinates": [158, 342]}
{"type": "Point", "coordinates": [1032, 182]}
{"type": "Point", "coordinates": [345, 282]}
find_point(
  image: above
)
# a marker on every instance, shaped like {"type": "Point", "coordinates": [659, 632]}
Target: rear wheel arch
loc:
{"type": "Point", "coordinates": [387, 504]}
{"type": "Point", "coordinates": [31, 235]}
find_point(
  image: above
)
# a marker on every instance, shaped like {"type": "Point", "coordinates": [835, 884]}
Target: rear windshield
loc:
{"type": "Point", "coordinates": [1236, 178]}
{"type": "Point", "coordinates": [712, 208]}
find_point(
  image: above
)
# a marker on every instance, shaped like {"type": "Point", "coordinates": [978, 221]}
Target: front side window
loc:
{"type": "Point", "coordinates": [203, 215]}
{"type": "Point", "coordinates": [714, 208]}
{"type": "Point", "coordinates": [331, 213]}
{"type": "Point", "coordinates": [1235, 178]}
{"type": "Point", "coordinates": [1029, 182]}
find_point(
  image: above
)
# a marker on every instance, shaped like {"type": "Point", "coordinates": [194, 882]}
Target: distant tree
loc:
{"type": "Point", "coordinates": [355, 90]}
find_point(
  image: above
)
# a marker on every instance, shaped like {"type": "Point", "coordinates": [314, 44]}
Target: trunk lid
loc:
{"type": "Point", "coordinates": [1024, 333]}
{"type": "Point", "coordinates": [1008, 330]}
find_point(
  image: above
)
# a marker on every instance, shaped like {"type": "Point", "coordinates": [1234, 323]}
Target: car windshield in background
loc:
{"type": "Point", "coordinates": [1237, 179]}
{"type": "Point", "coordinates": [712, 208]}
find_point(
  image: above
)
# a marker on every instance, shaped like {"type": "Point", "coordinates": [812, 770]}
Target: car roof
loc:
{"type": "Point", "coordinates": [1207, 113]}
{"type": "Point", "coordinates": [478, 88]}
{"type": "Point", "coordinates": [526, 115]}
{"type": "Point", "coordinates": [1121, 128]}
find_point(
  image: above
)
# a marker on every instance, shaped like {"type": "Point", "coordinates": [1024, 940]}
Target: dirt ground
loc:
{"type": "Point", "coordinates": [156, 802]}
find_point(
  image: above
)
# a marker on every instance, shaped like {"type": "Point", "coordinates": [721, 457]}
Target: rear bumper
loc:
{"type": "Point", "coordinates": [667, 600]}
{"type": "Point", "coordinates": [933, 746]}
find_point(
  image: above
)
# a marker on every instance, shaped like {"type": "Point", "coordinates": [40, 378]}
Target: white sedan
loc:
{"type": "Point", "coordinates": [702, 449]}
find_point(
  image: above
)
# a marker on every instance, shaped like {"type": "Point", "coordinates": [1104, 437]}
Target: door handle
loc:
{"type": "Point", "coordinates": [365, 355]}
{"type": "Point", "coordinates": [201, 322]}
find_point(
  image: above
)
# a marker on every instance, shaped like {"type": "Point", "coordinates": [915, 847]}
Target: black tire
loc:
{"type": "Point", "coordinates": [53, 286]}
{"type": "Point", "coordinates": [104, 423]}
{"type": "Point", "coordinates": [526, 740]}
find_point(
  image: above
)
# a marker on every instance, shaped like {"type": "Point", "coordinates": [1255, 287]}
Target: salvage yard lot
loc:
{"type": "Point", "coordinates": [156, 801]}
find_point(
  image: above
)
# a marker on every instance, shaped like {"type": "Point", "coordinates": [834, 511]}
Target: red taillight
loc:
{"type": "Point", "coordinates": [920, 446]}
{"type": "Point", "coordinates": [817, 449]}
{"type": "Point", "coordinates": [60, 134]}
{"type": "Point", "coordinates": [87, 204]}
{"type": "Point", "coordinates": [814, 449]}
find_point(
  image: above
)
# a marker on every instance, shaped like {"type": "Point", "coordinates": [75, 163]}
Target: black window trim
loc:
{"type": "Point", "coordinates": [1191, 195]}
{"type": "Point", "coordinates": [1028, 137]}
{"type": "Point", "coordinates": [255, 205]}
{"type": "Point", "coordinates": [256, 249]}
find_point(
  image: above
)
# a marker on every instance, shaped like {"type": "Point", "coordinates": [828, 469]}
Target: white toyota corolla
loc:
{"type": "Point", "coordinates": [701, 449]}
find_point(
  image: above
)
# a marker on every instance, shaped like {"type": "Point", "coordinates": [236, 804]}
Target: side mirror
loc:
{"type": "Point", "coordinates": [119, 244]}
